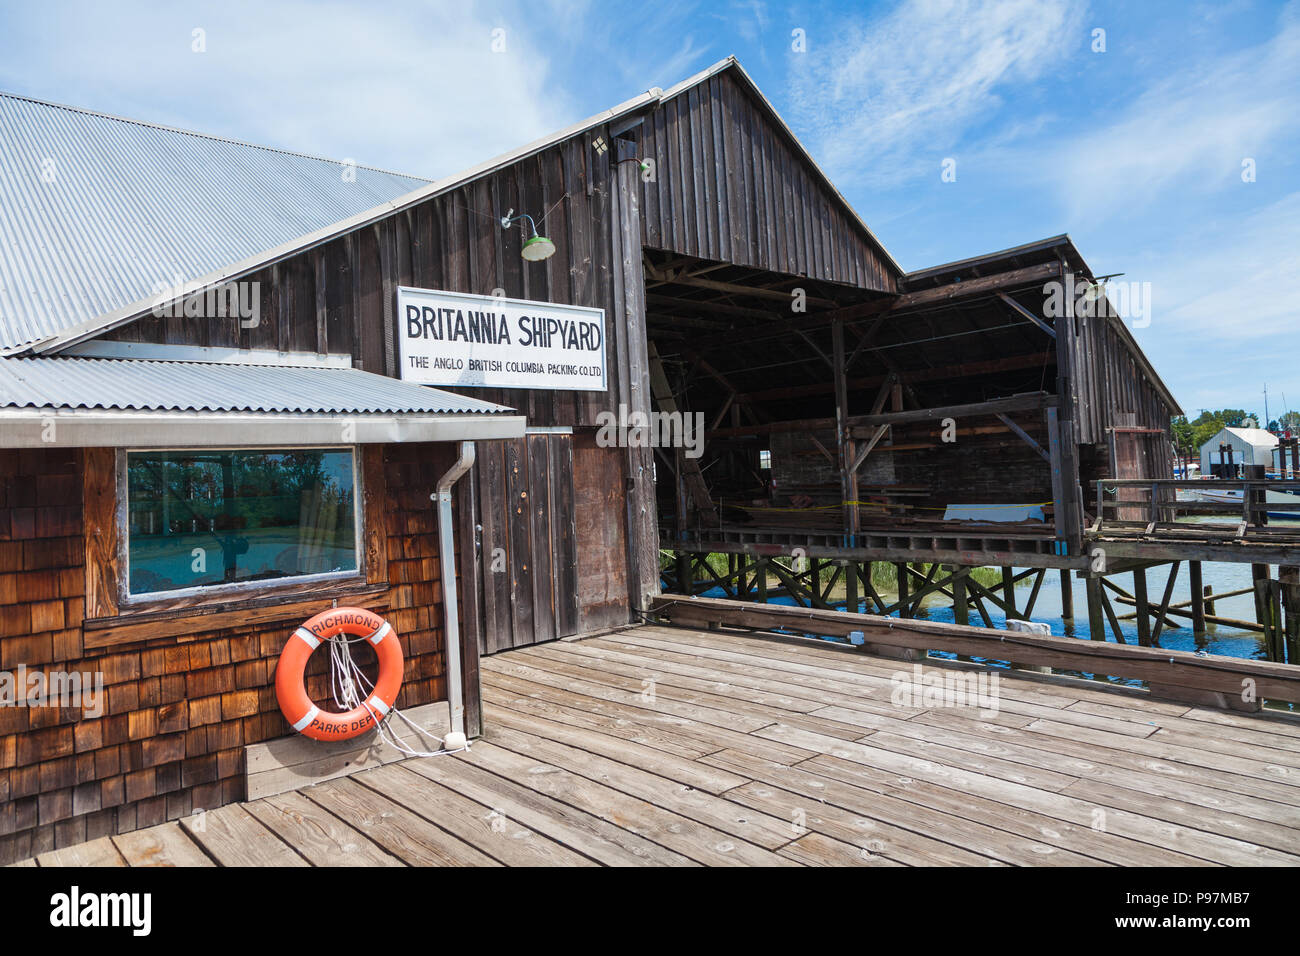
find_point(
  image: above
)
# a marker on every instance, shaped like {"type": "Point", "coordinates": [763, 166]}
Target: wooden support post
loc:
{"type": "Point", "coordinates": [903, 606]}
{"type": "Point", "coordinates": [1198, 597]}
{"type": "Point", "coordinates": [1028, 611]}
{"type": "Point", "coordinates": [1143, 606]}
{"type": "Point", "coordinates": [1161, 617]}
{"type": "Point", "coordinates": [1009, 593]}
{"type": "Point", "coordinates": [689, 476]}
{"type": "Point", "coordinates": [1067, 595]}
{"type": "Point", "coordinates": [1289, 581]}
{"type": "Point", "coordinates": [633, 382]}
{"type": "Point", "coordinates": [1258, 573]}
{"type": "Point", "coordinates": [847, 446]}
{"type": "Point", "coordinates": [1268, 599]}
{"type": "Point", "coordinates": [1096, 620]}
{"type": "Point", "coordinates": [851, 586]}
{"type": "Point", "coordinates": [761, 571]}
{"type": "Point", "coordinates": [960, 604]}
{"type": "Point", "coordinates": [1115, 627]}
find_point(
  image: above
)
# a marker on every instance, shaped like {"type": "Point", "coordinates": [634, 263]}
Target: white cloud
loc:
{"type": "Point", "coordinates": [1234, 281]}
{"type": "Point", "coordinates": [1191, 129]}
{"type": "Point", "coordinates": [883, 100]}
{"type": "Point", "coordinates": [1225, 306]}
{"type": "Point", "coordinates": [413, 87]}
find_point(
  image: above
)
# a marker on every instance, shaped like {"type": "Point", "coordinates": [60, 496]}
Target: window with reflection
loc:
{"type": "Point", "coordinates": [212, 518]}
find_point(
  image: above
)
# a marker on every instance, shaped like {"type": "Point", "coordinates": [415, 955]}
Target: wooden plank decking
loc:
{"type": "Point", "coordinates": [678, 747]}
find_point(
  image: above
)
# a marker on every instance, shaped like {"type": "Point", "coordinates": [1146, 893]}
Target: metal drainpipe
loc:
{"type": "Point", "coordinates": [447, 557]}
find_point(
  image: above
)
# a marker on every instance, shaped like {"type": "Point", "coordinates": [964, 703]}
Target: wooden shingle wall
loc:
{"type": "Point", "coordinates": [177, 711]}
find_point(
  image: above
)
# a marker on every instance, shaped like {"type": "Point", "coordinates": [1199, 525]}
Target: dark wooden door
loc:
{"type": "Point", "coordinates": [1131, 462]}
{"type": "Point", "coordinates": [526, 553]}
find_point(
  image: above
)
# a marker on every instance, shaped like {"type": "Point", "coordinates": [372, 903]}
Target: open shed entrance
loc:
{"type": "Point", "coordinates": [940, 423]}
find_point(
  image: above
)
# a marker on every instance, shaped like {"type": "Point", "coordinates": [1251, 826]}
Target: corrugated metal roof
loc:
{"type": "Point", "coordinates": [299, 242]}
{"type": "Point", "coordinates": [96, 211]}
{"type": "Point", "coordinates": [117, 384]}
{"type": "Point", "coordinates": [96, 318]}
{"type": "Point", "coordinates": [1259, 437]}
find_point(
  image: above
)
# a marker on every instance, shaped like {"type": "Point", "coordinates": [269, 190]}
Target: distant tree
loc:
{"type": "Point", "coordinates": [1184, 435]}
{"type": "Point", "coordinates": [1208, 424]}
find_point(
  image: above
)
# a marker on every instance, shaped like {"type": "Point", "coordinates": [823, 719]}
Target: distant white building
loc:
{"type": "Point", "coordinates": [1250, 446]}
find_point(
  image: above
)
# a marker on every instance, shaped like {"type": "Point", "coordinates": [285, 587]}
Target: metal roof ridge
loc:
{"type": "Point", "coordinates": [651, 97]}
{"type": "Point", "coordinates": [1012, 250]}
{"type": "Point", "coordinates": [5, 94]}
{"type": "Point", "coordinates": [305, 242]}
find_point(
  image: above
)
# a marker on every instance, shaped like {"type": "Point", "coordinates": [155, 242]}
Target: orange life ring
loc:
{"type": "Point", "coordinates": [290, 686]}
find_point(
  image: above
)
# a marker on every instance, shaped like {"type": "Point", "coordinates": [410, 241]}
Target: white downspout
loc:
{"type": "Point", "coordinates": [451, 627]}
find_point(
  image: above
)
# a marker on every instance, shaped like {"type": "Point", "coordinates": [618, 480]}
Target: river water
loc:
{"type": "Point", "coordinates": [1219, 639]}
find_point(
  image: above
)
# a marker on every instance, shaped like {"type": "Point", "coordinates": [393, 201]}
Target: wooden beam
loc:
{"type": "Point", "coordinates": [1164, 602]}
{"type": "Point", "coordinates": [1177, 673]}
{"type": "Point", "coordinates": [822, 448]}
{"type": "Point", "coordinates": [689, 468]}
{"type": "Point", "coordinates": [940, 373]}
{"type": "Point", "coordinates": [866, 450]}
{"type": "Point", "coordinates": [886, 391]}
{"type": "Point", "coordinates": [1014, 403]}
{"type": "Point", "coordinates": [1058, 480]}
{"type": "Point", "coordinates": [769, 428]}
{"type": "Point", "coordinates": [1198, 598]}
{"type": "Point", "coordinates": [99, 530]}
{"type": "Point", "coordinates": [733, 288]}
{"type": "Point", "coordinates": [1020, 309]}
{"type": "Point", "coordinates": [1024, 436]}
{"type": "Point", "coordinates": [1142, 605]}
{"type": "Point", "coordinates": [847, 451]}
{"type": "Point", "coordinates": [816, 348]}
{"type": "Point", "coordinates": [952, 291]}
{"type": "Point", "coordinates": [865, 340]}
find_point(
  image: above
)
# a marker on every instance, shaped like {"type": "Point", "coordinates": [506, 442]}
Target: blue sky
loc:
{"type": "Point", "coordinates": [1136, 151]}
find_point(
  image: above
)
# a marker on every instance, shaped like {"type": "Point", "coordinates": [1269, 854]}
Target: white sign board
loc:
{"type": "Point", "coordinates": [449, 338]}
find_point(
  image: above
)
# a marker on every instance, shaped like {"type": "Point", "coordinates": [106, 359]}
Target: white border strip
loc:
{"type": "Point", "coordinates": [307, 718]}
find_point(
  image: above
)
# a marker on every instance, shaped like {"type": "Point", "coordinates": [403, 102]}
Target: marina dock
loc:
{"type": "Point", "coordinates": [677, 746]}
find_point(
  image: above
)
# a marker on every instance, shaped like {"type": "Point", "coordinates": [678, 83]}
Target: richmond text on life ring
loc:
{"type": "Point", "coordinates": [290, 685]}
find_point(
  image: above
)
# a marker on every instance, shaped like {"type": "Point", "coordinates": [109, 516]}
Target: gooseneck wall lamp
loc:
{"type": "Point", "coordinates": [536, 248]}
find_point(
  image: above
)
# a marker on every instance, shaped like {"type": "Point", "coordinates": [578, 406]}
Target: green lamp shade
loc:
{"type": "Point", "coordinates": [537, 248]}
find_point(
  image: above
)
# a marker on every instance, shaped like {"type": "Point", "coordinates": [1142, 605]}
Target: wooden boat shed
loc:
{"type": "Point", "coordinates": [691, 216]}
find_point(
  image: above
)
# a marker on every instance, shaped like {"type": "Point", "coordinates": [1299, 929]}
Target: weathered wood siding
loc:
{"type": "Point", "coordinates": [601, 532]}
{"type": "Point", "coordinates": [177, 710]}
{"type": "Point", "coordinates": [730, 185]}
{"type": "Point", "coordinates": [527, 553]}
{"type": "Point", "coordinates": [1112, 389]}
{"type": "Point", "coordinates": [341, 297]}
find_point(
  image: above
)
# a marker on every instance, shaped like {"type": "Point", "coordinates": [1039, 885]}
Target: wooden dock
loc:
{"type": "Point", "coordinates": [669, 746]}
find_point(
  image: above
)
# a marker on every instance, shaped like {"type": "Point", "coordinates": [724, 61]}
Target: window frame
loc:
{"type": "Point", "coordinates": [220, 593]}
